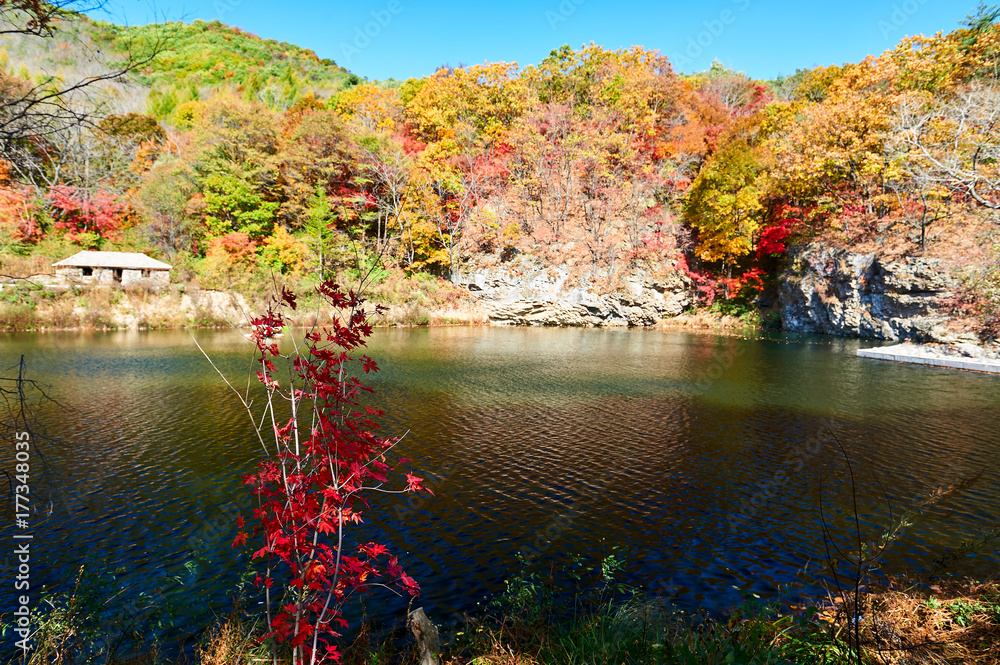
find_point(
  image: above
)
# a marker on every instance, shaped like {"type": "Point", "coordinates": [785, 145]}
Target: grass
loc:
{"type": "Point", "coordinates": [605, 622]}
{"type": "Point", "coordinates": [23, 267]}
{"type": "Point", "coordinates": [536, 622]}
{"type": "Point", "coordinates": [904, 626]}
{"type": "Point", "coordinates": [92, 622]}
{"type": "Point", "coordinates": [26, 306]}
{"type": "Point", "coordinates": [707, 319]}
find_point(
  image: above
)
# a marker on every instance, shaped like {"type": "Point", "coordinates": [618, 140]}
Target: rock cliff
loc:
{"type": "Point", "coordinates": [527, 293]}
{"type": "Point", "coordinates": [824, 290]}
{"type": "Point", "coordinates": [836, 292]}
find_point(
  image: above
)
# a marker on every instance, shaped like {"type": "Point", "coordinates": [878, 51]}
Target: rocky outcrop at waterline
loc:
{"type": "Point", "coordinates": [532, 294]}
{"type": "Point", "coordinates": [836, 292]}
{"type": "Point", "coordinates": [823, 291]}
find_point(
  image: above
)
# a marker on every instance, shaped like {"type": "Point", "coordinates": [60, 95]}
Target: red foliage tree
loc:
{"type": "Point", "coordinates": [311, 489]}
{"type": "Point", "coordinates": [78, 211]}
{"type": "Point", "coordinates": [17, 211]}
{"type": "Point", "coordinates": [704, 283]}
{"type": "Point", "coordinates": [772, 238]}
{"type": "Point", "coordinates": [234, 248]}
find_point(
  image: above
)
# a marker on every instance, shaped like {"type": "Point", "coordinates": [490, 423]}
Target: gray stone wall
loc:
{"type": "Point", "coordinates": [152, 277]}
{"type": "Point", "coordinates": [132, 276]}
{"type": "Point", "coordinates": [70, 274]}
{"type": "Point", "coordinates": [836, 292]}
{"type": "Point", "coordinates": [108, 277]}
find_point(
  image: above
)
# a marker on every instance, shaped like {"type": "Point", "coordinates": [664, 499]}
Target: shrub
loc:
{"type": "Point", "coordinates": [17, 316]}
{"type": "Point", "coordinates": [325, 456]}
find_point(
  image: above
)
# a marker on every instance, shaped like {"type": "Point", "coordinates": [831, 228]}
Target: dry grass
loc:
{"type": "Point", "coordinates": [954, 623]}
{"type": "Point", "coordinates": [231, 641]}
{"type": "Point", "coordinates": [23, 267]}
{"type": "Point", "coordinates": [703, 319]}
{"type": "Point", "coordinates": [26, 306]}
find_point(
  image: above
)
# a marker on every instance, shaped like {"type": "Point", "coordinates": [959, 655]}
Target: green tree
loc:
{"type": "Point", "coordinates": [237, 167]}
{"type": "Point", "coordinates": [319, 232]}
{"type": "Point", "coordinates": [232, 205]}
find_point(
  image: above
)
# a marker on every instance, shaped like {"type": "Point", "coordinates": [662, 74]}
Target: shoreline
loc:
{"type": "Point", "coordinates": [956, 620]}
{"type": "Point", "coordinates": [39, 309]}
{"type": "Point", "coordinates": [722, 328]}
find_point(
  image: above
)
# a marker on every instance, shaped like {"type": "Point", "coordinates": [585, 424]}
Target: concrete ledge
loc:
{"type": "Point", "coordinates": [912, 354]}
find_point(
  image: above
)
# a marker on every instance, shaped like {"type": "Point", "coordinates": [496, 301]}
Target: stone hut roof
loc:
{"type": "Point", "coordinates": [125, 260]}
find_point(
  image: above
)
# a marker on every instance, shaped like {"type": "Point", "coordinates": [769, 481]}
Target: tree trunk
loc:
{"type": "Point", "coordinates": [426, 634]}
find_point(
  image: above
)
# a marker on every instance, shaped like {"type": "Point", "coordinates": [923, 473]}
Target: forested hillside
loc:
{"type": "Point", "coordinates": [234, 158]}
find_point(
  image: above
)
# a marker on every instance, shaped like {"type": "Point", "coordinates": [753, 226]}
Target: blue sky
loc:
{"type": "Point", "coordinates": [402, 38]}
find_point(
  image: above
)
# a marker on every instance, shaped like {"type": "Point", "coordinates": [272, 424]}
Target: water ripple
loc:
{"type": "Point", "coordinates": [691, 451]}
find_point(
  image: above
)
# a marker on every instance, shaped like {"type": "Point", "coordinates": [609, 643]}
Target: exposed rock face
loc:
{"type": "Point", "coordinates": [218, 305]}
{"type": "Point", "coordinates": [835, 292]}
{"type": "Point", "coordinates": [526, 294]}
{"type": "Point", "coordinates": [196, 306]}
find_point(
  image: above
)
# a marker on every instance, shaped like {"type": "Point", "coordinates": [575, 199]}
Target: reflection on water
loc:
{"type": "Point", "coordinates": [690, 450]}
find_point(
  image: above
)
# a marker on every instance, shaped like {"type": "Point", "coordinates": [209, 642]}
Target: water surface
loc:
{"type": "Point", "coordinates": [705, 457]}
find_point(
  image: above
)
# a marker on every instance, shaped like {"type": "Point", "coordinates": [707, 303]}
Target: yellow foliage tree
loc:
{"type": "Point", "coordinates": [726, 202]}
{"type": "Point", "coordinates": [284, 253]}
{"type": "Point", "coordinates": [370, 106]}
{"type": "Point", "coordinates": [487, 98]}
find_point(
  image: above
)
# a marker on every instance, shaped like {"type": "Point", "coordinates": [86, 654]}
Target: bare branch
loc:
{"type": "Point", "coordinates": [954, 143]}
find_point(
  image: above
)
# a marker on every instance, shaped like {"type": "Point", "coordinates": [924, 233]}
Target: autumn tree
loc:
{"type": "Point", "coordinates": [317, 151]}
{"type": "Point", "coordinates": [88, 218]}
{"type": "Point", "coordinates": [954, 143]}
{"type": "Point", "coordinates": [18, 223]}
{"type": "Point", "coordinates": [162, 200]}
{"type": "Point", "coordinates": [283, 253]}
{"type": "Point", "coordinates": [236, 167]}
{"type": "Point", "coordinates": [371, 107]}
{"type": "Point", "coordinates": [726, 202]}
{"type": "Point", "coordinates": [733, 91]}
{"type": "Point", "coordinates": [465, 116]}
{"type": "Point", "coordinates": [834, 152]}
{"type": "Point", "coordinates": [457, 186]}
{"type": "Point", "coordinates": [854, 145]}
{"type": "Point", "coordinates": [545, 173]}
{"type": "Point", "coordinates": [481, 101]}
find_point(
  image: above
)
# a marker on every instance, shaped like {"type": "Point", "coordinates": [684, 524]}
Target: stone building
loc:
{"type": "Point", "coordinates": [112, 268]}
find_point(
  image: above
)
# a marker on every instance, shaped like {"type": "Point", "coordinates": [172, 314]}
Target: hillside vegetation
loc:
{"type": "Point", "coordinates": [202, 58]}
{"type": "Point", "coordinates": [241, 158]}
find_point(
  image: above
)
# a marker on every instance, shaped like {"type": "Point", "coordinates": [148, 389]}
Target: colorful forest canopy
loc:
{"type": "Point", "coordinates": [253, 152]}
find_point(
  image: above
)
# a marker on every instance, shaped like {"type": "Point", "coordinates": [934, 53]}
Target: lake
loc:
{"type": "Point", "coordinates": [706, 458]}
